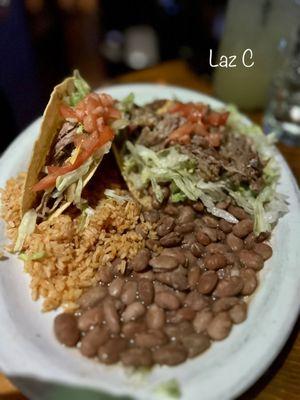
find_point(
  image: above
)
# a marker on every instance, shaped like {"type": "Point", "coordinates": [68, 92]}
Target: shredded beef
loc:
{"type": "Point", "coordinates": [235, 159]}
{"type": "Point", "coordinates": [65, 136]}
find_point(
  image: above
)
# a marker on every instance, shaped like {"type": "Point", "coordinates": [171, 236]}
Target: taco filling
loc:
{"type": "Point", "coordinates": [200, 153]}
{"type": "Point", "coordinates": [76, 133]}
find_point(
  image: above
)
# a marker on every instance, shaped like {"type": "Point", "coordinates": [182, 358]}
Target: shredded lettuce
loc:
{"type": "Point", "coordinates": [82, 89]}
{"type": "Point", "coordinates": [127, 103]}
{"type": "Point", "coordinates": [110, 193]}
{"type": "Point", "coordinates": [85, 216]}
{"type": "Point", "coordinates": [32, 257]}
{"type": "Point", "coordinates": [64, 181]}
{"type": "Point", "coordinates": [26, 227]}
{"type": "Point", "coordinates": [143, 166]}
{"type": "Point", "coordinates": [169, 390]}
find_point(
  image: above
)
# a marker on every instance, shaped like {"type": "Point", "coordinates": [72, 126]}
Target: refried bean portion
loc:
{"type": "Point", "coordinates": [183, 290]}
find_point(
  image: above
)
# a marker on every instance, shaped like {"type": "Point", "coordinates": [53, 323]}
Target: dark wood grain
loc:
{"type": "Point", "coordinates": [282, 380]}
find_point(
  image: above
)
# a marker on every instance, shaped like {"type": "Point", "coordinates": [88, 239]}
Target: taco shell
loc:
{"type": "Point", "coordinates": [51, 123]}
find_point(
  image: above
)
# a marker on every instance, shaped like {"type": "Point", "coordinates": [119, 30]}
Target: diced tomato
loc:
{"type": "Point", "coordinates": [181, 134]}
{"type": "Point", "coordinates": [94, 112]}
{"type": "Point", "coordinates": [216, 119]}
{"type": "Point", "coordinates": [67, 112]}
{"type": "Point", "coordinates": [113, 113]}
{"type": "Point", "coordinates": [199, 121]}
{"type": "Point", "coordinates": [45, 183]}
{"type": "Point", "coordinates": [89, 123]}
{"type": "Point", "coordinates": [200, 129]}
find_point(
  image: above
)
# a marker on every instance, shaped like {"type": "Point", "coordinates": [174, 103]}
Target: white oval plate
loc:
{"type": "Point", "coordinates": [31, 356]}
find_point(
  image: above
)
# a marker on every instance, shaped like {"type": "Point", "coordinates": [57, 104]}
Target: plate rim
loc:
{"type": "Point", "coordinates": [141, 85]}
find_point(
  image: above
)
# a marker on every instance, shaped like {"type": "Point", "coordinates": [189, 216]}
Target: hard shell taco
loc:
{"type": "Point", "coordinates": [75, 134]}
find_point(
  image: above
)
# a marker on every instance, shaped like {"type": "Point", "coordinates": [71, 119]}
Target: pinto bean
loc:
{"type": "Point", "coordinates": [196, 301]}
{"type": "Point", "coordinates": [177, 331]}
{"type": "Point", "coordinates": [137, 357]}
{"type": "Point", "coordinates": [170, 354]}
{"type": "Point", "coordinates": [238, 212]}
{"type": "Point", "coordinates": [210, 221]}
{"type": "Point", "coordinates": [215, 261]}
{"type": "Point", "coordinates": [166, 225]}
{"type": "Point", "coordinates": [142, 231]}
{"type": "Point", "coordinates": [186, 214]}
{"type": "Point", "coordinates": [234, 242]}
{"type": "Point", "coordinates": [202, 238]}
{"type": "Point", "coordinates": [232, 258]}
{"type": "Point", "coordinates": [129, 329]}
{"type": "Point", "coordinates": [193, 276]}
{"type": "Point", "coordinates": [229, 287]}
{"type": "Point", "coordinates": [92, 296]}
{"type": "Point", "coordinates": [152, 338]}
{"type": "Point", "coordinates": [111, 316]}
{"type": "Point", "coordinates": [149, 275]}
{"type": "Point", "coordinates": [133, 311]}
{"type": "Point", "coordinates": [238, 313]}
{"type": "Point", "coordinates": [220, 235]}
{"type": "Point", "coordinates": [207, 282]}
{"type": "Point", "coordinates": [202, 319]}
{"type": "Point", "coordinates": [129, 291]}
{"type": "Point", "coordinates": [251, 260]}
{"type": "Point", "coordinates": [164, 262]}
{"type": "Point", "coordinates": [145, 291]}
{"type": "Point", "coordinates": [249, 241]}
{"type": "Point", "coordinates": [185, 228]}
{"type": "Point", "coordinates": [155, 317]}
{"type": "Point", "coordinates": [224, 304]}
{"type": "Point", "coordinates": [66, 330]}
{"type": "Point", "coordinates": [197, 249]}
{"type": "Point", "coordinates": [171, 210]}
{"type": "Point", "coordinates": [195, 344]}
{"type": "Point", "coordinates": [116, 286]}
{"type": "Point", "coordinates": [177, 278]}
{"type": "Point", "coordinates": [188, 240]}
{"type": "Point", "coordinates": [264, 250]}
{"type": "Point", "coordinates": [109, 353]}
{"type": "Point", "coordinates": [225, 226]}
{"type": "Point", "coordinates": [243, 228]}
{"type": "Point", "coordinates": [90, 317]}
{"type": "Point", "coordinates": [217, 248]}
{"type": "Point", "coordinates": [177, 253]}
{"type": "Point", "coordinates": [224, 204]}
{"type": "Point", "coordinates": [212, 233]}
{"type": "Point", "coordinates": [105, 274]}
{"type": "Point", "coordinates": [199, 207]}
{"type": "Point", "coordinates": [250, 281]}
{"type": "Point", "coordinates": [183, 314]}
{"type": "Point", "coordinates": [191, 259]}
{"type": "Point", "coordinates": [151, 216]}
{"type": "Point", "coordinates": [220, 326]}
{"type": "Point", "coordinates": [262, 237]}
{"type": "Point", "coordinates": [91, 342]}
{"type": "Point", "coordinates": [152, 244]}
{"type": "Point", "coordinates": [140, 261]}
{"type": "Point", "coordinates": [171, 239]}
{"type": "Point", "coordinates": [155, 203]}
{"type": "Point", "coordinates": [167, 300]}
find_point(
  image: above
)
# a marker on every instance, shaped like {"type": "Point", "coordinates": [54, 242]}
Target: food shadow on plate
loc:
{"type": "Point", "coordinates": [44, 390]}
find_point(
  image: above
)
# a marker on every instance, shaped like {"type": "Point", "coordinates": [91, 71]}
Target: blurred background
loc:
{"type": "Point", "coordinates": [43, 41]}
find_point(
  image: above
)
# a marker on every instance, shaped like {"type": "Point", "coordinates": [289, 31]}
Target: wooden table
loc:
{"type": "Point", "coordinates": [282, 380]}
